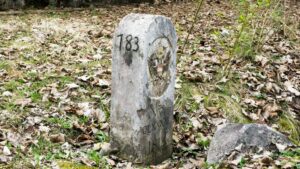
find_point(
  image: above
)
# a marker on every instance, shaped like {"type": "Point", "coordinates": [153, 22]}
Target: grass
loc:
{"type": "Point", "coordinates": [37, 60]}
{"type": "Point", "coordinates": [61, 122]}
{"type": "Point", "coordinates": [36, 83]}
{"type": "Point", "coordinates": [291, 153]}
{"type": "Point", "coordinates": [290, 156]}
{"type": "Point", "coordinates": [202, 141]}
{"type": "Point", "coordinates": [101, 136]}
{"type": "Point", "coordinates": [210, 166]}
{"type": "Point", "coordinates": [32, 90]}
{"type": "Point", "coordinates": [98, 159]}
{"type": "Point", "coordinates": [289, 125]}
{"type": "Point", "coordinates": [64, 14]}
{"type": "Point", "coordinates": [72, 165]}
{"type": "Point", "coordinates": [102, 102]}
{"type": "Point", "coordinates": [229, 106]}
{"type": "Point", "coordinates": [10, 107]}
{"type": "Point", "coordinates": [184, 98]}
{"type": "Point", "coordinates": [185, 104]}
{"type": "Point", "coordinates": [242, 163]}
{"type": "Point", "coordinates": [91, 65]}
{"type": "Point", "coordinates": [12, 85]}
{"type": "Point", "coordinates": [226, 97]}
{"type": "Point", "coordinates": [7, 66]}
{"type": "Point", "coordinates": [44, 150]}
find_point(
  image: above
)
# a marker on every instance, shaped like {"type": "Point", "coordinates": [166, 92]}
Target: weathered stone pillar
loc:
{"type": "Point", "coordinates": [143, 79]}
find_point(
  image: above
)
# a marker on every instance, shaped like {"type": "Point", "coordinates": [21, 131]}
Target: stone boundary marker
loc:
{"type": "Point", "coordinates": [143, 80]}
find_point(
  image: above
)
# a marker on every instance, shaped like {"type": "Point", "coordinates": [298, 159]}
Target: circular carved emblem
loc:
{"type": "Point", "coordinates": [158, 66]}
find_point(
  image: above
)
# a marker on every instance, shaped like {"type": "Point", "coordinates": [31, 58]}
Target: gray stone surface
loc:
{"type": "Point", "coordinates": [244, 137]}
{"type": "Point", "coordinates": [143, 80]}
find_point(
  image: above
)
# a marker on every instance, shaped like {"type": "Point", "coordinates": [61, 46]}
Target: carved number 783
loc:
{"type": "Point", "coordinates": [132, 43]}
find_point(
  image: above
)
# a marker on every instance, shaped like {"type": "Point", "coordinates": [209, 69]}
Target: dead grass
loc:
{"type": "Point", "coordinates": [291, 126]}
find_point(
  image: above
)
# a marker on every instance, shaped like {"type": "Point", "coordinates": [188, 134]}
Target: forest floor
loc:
{"type": "Point", "coordinates": [55, 79]}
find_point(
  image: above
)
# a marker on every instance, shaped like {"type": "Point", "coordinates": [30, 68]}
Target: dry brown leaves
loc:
{"type": "Point", "coordinates": [55, 84]}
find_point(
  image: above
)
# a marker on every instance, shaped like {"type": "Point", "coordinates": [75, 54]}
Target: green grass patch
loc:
{"type": "Point", "coordinates": [46, 150]}
{"type": "Point", "coordinates": [21, 90]}
{"type": "Point", "coordinates": [202, 141]}
{"type": "Point", "coordinates": [37, 59]}
{"type": "Point", "coordinates": [61, 15]}
{"type": "Point", "coordinates": [12, 85]}
{"type": "Point", "coordinates": [226, 98]}
{"type": "Point", "coordinates": [6, 65]}
{"type": "Point", "coordinates": [291, 153]}
{"type": "Point", "coordinates": [289, 125]}
{"type": "Point", "coordinates": [83, 119]}
{"type": "Point", "coordinates": [64, 124]}
{"type": "Point", "coordinates": [10, 107]}
{"type": "Point", "coordinates": [61, 122]}
{"type": "Point", "coordinates": [229, 106]}
{"type": "Point", "coordinates": [32, 75]}
{"type": "Point", "coordinates": [184, 98]}
{"type": "Point", "coordinates": [36, 97]}
{"type": "Point", "coordinates": [73, 165]}
{"type": "Point", "coordinates": [102, 136]}
{"type": "Point", "coordinates": [92, 64]}
{"type": "Point", "coordinates": [98, 159]}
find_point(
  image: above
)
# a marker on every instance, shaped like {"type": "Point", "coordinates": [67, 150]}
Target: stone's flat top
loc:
{"type": "Point", "coordinates": [144, 19]}
{"type": "Point", "coordinates": [141, 25]}
{"type": "Point", "coordinates": [142, 16]}
{"type": "Point", "coordinates": [243, 137]}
